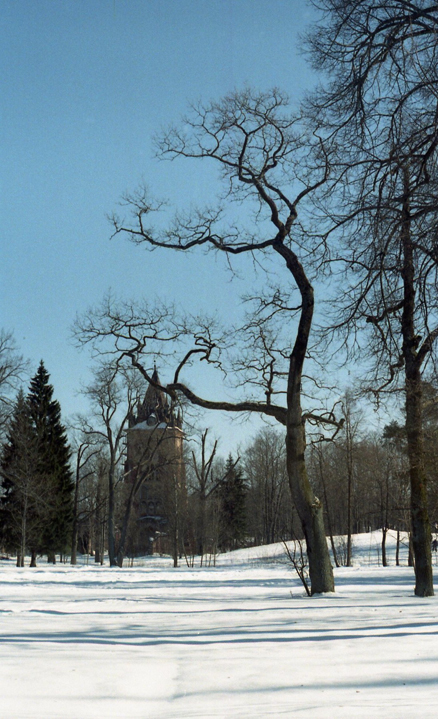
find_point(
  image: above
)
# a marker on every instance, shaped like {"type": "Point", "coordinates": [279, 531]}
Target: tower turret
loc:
{"type": "Point", "coordinates": [155, 461]}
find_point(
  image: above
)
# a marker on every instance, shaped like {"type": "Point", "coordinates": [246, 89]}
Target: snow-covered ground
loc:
{"type": "Point", "coordinates": [238, 640]}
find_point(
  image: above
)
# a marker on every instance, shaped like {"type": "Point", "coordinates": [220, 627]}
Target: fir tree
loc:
{"type": "Point", "coordinates": [232, 492]}
{"type": "Point", "coordinates": [53, 462]}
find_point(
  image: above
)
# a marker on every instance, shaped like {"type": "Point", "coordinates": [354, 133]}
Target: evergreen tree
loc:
{"type": "Point", "coordinates": [232, 493]}
{"type": "Point", "coordinates": [23, 500]}
{"type": "Point", "coordinates": [53, 463]}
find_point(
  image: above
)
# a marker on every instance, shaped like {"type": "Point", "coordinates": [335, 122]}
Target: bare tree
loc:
{"type": "Point", "coordinates": [86, 446]}
{"type": "Point", "coordinates": [12, 369]}
{"type": "Point", "coordinates": [379, 115]}
{"type": "Point", "coordinates": [203, 488]}
{"type": "Point", "coordinates": [258, 146]}
{"type": "Point", "coordinates": [350, 431]}
{"type": "Point", "coordinates": [98, 516]}
{"type": "Point", "coordinates": [209, 477]}
{"type": "Point", "coordinates": [363, 478]}
{"type": "Point", "coordinates": [113, 395]}
{"type": "Point", "coordinates": [270, 511]}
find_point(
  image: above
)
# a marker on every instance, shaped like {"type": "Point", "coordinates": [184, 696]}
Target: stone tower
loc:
{"type": "Point", "coordinates": [155, 453]}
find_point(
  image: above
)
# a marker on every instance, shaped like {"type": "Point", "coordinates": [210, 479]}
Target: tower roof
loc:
{"type": "Point", "coordinates": [155, 408]}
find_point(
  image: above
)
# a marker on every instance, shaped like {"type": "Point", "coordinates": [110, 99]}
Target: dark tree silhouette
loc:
{"type": "Point", "coordinates": [258, 146]}
{"type": "Point", "coordinates": [53, 463]}
{"type": "Point", "coordinates": [378, 113]}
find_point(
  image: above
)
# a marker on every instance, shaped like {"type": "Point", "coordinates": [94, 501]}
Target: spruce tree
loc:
{"type": "Point", "coordinates": [23, 500]}
{"type": "Point", "coordinates": [232, 492]}
{"type": "Point", "coordinates": [53, 463]}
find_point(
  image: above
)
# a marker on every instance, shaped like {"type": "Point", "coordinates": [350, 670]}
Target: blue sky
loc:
{"type": "Point", "coordinates": [85, 85]}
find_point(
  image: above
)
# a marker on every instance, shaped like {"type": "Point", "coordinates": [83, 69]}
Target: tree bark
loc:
{"type": "Point", "coordinates": [111, 511]}
{"type": "Point", "coordinates": [201, 523]}
{"type": "Point", "coordinates": [349, 489]}
{"type": "Point", "coordinates": [74, 533]}
{"type": "Point", "coordinates": [421, 533]}
{"type": "Point", "coordinates": [384, 560]}
{"type": "Point", "coordinates": [308, 506]}
{"type": "Point", "coordinates": [98, 545]}
{"type": "Point", "coordinates": [125, 525]}
{"type": "Point", "coordinates": [310, 511]}
{"type": "Point", "coordinates": [410, 552]}
{"type": "Point", "coordinates": [176, 518]}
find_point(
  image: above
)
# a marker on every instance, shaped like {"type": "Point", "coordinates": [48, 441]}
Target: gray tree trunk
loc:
{"type": "Point", "coordinates": [421, 533]}
{"type": "Point", "coordinates": [111, 512]}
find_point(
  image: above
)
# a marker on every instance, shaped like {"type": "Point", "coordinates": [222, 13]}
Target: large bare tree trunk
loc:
{"type": "Point", "coordinates": [384, 533]}
{"type": "Point", "coordinates": [309, 507]}
{"type": "Point", "coordinates": [349, 448]}
{"type": "Point", "coordinates": [421, 534]}
{"type": "Point", "coordinates": [111, 512]}
{"type": "Point", "coordinates": [310, 511]}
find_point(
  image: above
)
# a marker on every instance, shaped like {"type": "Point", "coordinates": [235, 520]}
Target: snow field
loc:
{"type": "Point", "coordinates": [153, 642]}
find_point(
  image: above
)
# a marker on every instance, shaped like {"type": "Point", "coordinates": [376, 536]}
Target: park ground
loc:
{"type": "Point", "coordinates": [241, 639]}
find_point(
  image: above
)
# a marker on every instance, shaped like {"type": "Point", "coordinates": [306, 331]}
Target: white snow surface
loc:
{"type": "Point", "coordinates": [241, 639]}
